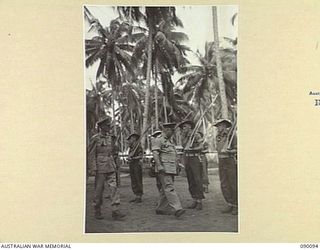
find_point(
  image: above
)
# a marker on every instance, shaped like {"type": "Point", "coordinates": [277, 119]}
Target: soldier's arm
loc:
{"type": "Point", "coordinates": [92, 153]}
{"type": "Point", "coordinates": [199, 142]}
{"type": "Point", "coordinates": [205, 147]}
{"type": "Point", "coordinates": [156, 147]}
{"type": "Point", "coordinates": [139, 153]}
{"type": "Point", "coordinates": [157, 161]}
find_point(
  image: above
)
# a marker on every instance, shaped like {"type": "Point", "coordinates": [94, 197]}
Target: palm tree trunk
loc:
{"type": "Point", "coordinates": [213, 128]}
{"type": "Point", "coordinates": [114, 112]}
{"type": "Point", "coordinates": [222, 89]}
{"type": "Point", "coordinates": [203, 122]}
{"type": "Point", "coordinates": [165, 109]}
{"type": "Point", "coordinates": [147, 95]}
{"type": "Point", "coordinates": [131, 122]}
{"type": "Point", "coordinates": [156, 97]}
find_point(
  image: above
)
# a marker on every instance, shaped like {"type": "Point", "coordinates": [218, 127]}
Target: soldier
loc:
{"type": "Point", "coordinates": [115, 154]}
{"type": "Point", "coordinates": [227, 165]}
{"type": "Point", "coordinates": [165, 157]}
{"type": "Point", "coordinates": [103, 167]}
{"type": "Point", "coordinates": [135, 166]}
{"type": "Point", "coordinates": [204, 164]}
{"type": "Point", "coordinates": [192, 148]}
{"type": "Point", "coordinates": [155, 135]}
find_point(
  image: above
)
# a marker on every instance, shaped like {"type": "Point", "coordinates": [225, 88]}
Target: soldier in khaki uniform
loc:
{"type": "Point", "coordinates": [227, 165]}
{"type": "Point", "coordinates": [165, 157]}
{"type": "Point", "coordinates": [135, 166]}
{"type": "Point", "coordinates": [192, 148]}
{"type": "Point", "coordinates": [155, 135]}
{"type": "Point", "coordinates": [204, 164]}
{"type": "Point", "coordinates": [103, 167]}
{"type": "Point", "coordinates": [115, 154]}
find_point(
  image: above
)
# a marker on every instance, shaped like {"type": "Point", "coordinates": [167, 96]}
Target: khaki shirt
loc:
{"type": "Point", "coordinates": [197, 141]}
{"type": "Point", "coordinates": [100, 154]}
{"type": "Point", "coordinates": [135, 153]}
{"type": "Point", "coordinates": [167, 153]}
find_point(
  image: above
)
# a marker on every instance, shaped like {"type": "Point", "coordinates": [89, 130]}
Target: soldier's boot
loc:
{"type": "Point", "coordinates": [193, 205]}
{"type": "Point", "coordinates": [138, 199]}
{"type": "Point", "coordinates": [234, 211]}
{"type": "Point", "coordinates": [199, 205]}
{"type": "Point", "coordinates": [98, 214]}
{"type": "Point", "coordinates": [163, 212]}
{"type": "Point", "coordinates": [227, 210]}
{"type": "Point", "coordinates": [117, 215]}
{"type": "Point", "coordinates": [133, 200]}
{"type": "Point", "coordinates": [179, 212]}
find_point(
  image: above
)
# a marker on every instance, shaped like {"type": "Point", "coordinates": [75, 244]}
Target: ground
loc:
{"type": "Point", "coordinates": [141, 217]}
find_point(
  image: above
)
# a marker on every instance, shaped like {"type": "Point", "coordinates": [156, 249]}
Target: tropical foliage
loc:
{"type": "Point", "coordinates": [137, 55]}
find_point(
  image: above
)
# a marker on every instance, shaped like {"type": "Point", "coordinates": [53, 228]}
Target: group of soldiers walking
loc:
{"type": "Point", "coordinates": [167, 164]}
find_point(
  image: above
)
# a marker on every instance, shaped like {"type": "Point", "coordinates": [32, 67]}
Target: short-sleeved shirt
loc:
{"type": "Point", "coordinates": [197, 141]}
{"type": "Point", "coordinates": [167, 153]}
{"type": "Point", "coordinates": [100, 153]}
{"type": "Point", "coordinates": [137, 152]}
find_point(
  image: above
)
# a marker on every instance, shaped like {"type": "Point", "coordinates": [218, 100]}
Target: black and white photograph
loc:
{"type": "Point", "coordinates": [161, 119]}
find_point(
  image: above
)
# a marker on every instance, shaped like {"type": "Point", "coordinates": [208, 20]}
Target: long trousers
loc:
{"type": "Point", "coordinates": [204, 164]}
{"type": "Point", "coordinates": [194, 176]}
{"type": "Point", "coordinates": [228, 178]}
{"type": "Point", "coordinates": [168, 199]}
{"type": "Point", "coordinates": [100, 180]}
{"type": "Point", "coordinates": [136, 178]}
{"type": "Point", "coordinates": [158, 183]}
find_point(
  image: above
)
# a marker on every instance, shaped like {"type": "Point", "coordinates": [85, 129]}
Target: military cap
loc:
{"type": "Point", "coordinates": [104, 119]}
{"type": "Point", "coordinates": [133, 134]}
{"type": "Point", "coordinates": [156, 133]}
{"type": "Point", "coordinates": [186, 122]}
{"type": "Point", "coordinates": [169, 125]}
{"type": "Point", "coordinates": [227, 121]}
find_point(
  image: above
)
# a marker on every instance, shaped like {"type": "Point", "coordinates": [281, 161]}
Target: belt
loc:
{"type": "Point", "coordinates": [192, 154]}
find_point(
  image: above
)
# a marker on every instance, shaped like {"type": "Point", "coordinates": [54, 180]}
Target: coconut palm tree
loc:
{"type": "Point", "coordinates": [112, 47]}
{"type": "Point", "coordinates": [152, 16]}
{"type": "Point", "coordinates": [222, 90]}
{"type": "Point", "coordinates": [200, 82]}
{"type": "Point", "coordinates": [95, 106]}
{"type": "Point", "coordinates": [130, 98]}
{"type": "Point", "coordinates": [168, 55]}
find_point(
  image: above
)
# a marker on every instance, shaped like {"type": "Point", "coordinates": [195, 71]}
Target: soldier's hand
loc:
{"type": "Point", "coordinates": [161, 171]}
{"type": "Point", "coordinates": [92, 172]}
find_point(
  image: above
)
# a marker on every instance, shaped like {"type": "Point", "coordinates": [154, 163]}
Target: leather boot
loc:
{"type": "Point", "coordinates": [179, 212]}
{"type": "Point", "coordinates": [193, 205]}
{"type": "Point", "coordinates": [163, 212]}
{"type": "Point", "coordinates": [199, 205]}
{"type": "Point", "coordinates": [138, 199]}
{"type": "Point", "coordinates": [117, 215]}
{"type": "Point", "coordinates": [227, 210]}
{"type": "Point", "coordinates": [234, 211]}
{"type": "Point", "coordinates": [98, 215]}
{"type": "Point", "coordinates": [133, 200]}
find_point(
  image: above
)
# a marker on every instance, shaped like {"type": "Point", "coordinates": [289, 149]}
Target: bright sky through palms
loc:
{"type": "Point", "coordinates": [197, 21]}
